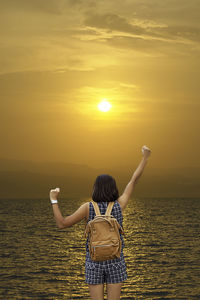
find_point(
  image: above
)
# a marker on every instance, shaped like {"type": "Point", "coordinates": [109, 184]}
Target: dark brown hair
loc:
{"type": "Point", "coordinates": [105, 189]}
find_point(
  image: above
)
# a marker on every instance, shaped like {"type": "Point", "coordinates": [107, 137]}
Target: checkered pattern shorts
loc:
{"type": "Point", "coordinates": [110, 271]}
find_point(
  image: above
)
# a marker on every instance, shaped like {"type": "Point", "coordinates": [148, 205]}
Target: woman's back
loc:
{"type": "Point", "coordinates": [115, 268]}
{"type": "Point", "coordinates": [116, 211]}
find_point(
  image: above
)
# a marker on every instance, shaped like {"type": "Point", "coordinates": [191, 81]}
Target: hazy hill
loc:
{"type": "Point", "coordinates": [27, 179]}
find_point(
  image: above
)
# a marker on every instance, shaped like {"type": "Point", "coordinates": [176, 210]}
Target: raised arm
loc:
{"type": "Point", "coordinates": [63, 222]}
{"type": "Point", "coordinates": [123, 199]}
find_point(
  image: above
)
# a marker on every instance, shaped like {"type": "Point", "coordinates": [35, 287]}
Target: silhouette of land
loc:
{"type": "Point", "coordinates": [28, 179]}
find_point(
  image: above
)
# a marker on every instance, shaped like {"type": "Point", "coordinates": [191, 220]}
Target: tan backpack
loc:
{"type": "Point", "coordinates": [104, 238]}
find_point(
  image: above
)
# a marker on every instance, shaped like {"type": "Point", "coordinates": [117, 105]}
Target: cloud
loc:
{"type": "Point", "coordinates": [128, 85]}
{"type": "Point", "coordinates": [86, 35]}
{"type": "Point", "coordinates": [112, 22]}
{"type": "Point", "coordinates": [145, 29]}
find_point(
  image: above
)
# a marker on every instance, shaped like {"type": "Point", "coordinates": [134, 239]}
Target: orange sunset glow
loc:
{"type": "Point", "coordinates": [100, 100]}
{"type": "Point", "coordinates": [90, 82]}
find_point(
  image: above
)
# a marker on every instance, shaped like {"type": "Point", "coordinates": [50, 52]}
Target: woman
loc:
{"type": "Point", "coordinates": [111, 272]}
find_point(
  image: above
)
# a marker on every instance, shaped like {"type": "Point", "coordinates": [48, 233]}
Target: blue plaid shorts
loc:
{"type": "Point", "coordinates": [109, 271]}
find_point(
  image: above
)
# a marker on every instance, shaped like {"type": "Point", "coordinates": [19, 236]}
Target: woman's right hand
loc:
{"type": "Point", "coordinates": [146, 151]}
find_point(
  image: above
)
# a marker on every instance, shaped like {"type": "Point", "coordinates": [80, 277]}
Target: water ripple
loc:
{"type": "Point", "coordinates": [162, 251]}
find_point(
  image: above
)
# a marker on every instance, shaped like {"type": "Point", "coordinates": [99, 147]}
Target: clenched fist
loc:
{"type": "Point", "coordinates": [53, 195]}
{"type": "Point", "coordinates": [146, 151]}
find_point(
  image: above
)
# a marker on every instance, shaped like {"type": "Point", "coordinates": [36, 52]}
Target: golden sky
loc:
{"type": "Point", "coordinates": [60, 58]}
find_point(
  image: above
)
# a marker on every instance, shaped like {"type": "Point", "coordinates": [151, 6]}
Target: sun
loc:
{"type": "Point", "coordinates": [104, 105]}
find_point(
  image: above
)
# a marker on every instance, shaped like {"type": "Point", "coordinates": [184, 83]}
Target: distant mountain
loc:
{"type": "Point", "coordinates": [27, 179]}
{"type": "Point", "coordinates": [46, 167]}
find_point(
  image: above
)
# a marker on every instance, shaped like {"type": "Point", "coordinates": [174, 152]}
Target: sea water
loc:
{"type": "Point", "coordinates": [40, 261]}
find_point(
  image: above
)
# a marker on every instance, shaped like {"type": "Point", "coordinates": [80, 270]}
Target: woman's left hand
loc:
{"type": "Point", "coordinates": [54, 193]}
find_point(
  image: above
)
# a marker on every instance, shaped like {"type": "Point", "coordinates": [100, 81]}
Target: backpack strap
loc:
{"type": "Point", "coordinates": [96, 208]}
{"type": "Point", "coordinates": [109, 208]}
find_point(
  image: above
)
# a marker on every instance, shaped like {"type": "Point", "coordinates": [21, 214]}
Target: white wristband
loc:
{"type": "Point", "coordinates": [54, 201]}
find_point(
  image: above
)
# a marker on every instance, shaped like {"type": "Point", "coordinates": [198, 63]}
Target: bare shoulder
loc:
{"type": "Point", "coordinates": [85, 207]}
{"type": "Point", "coordinates": [121, 203]}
